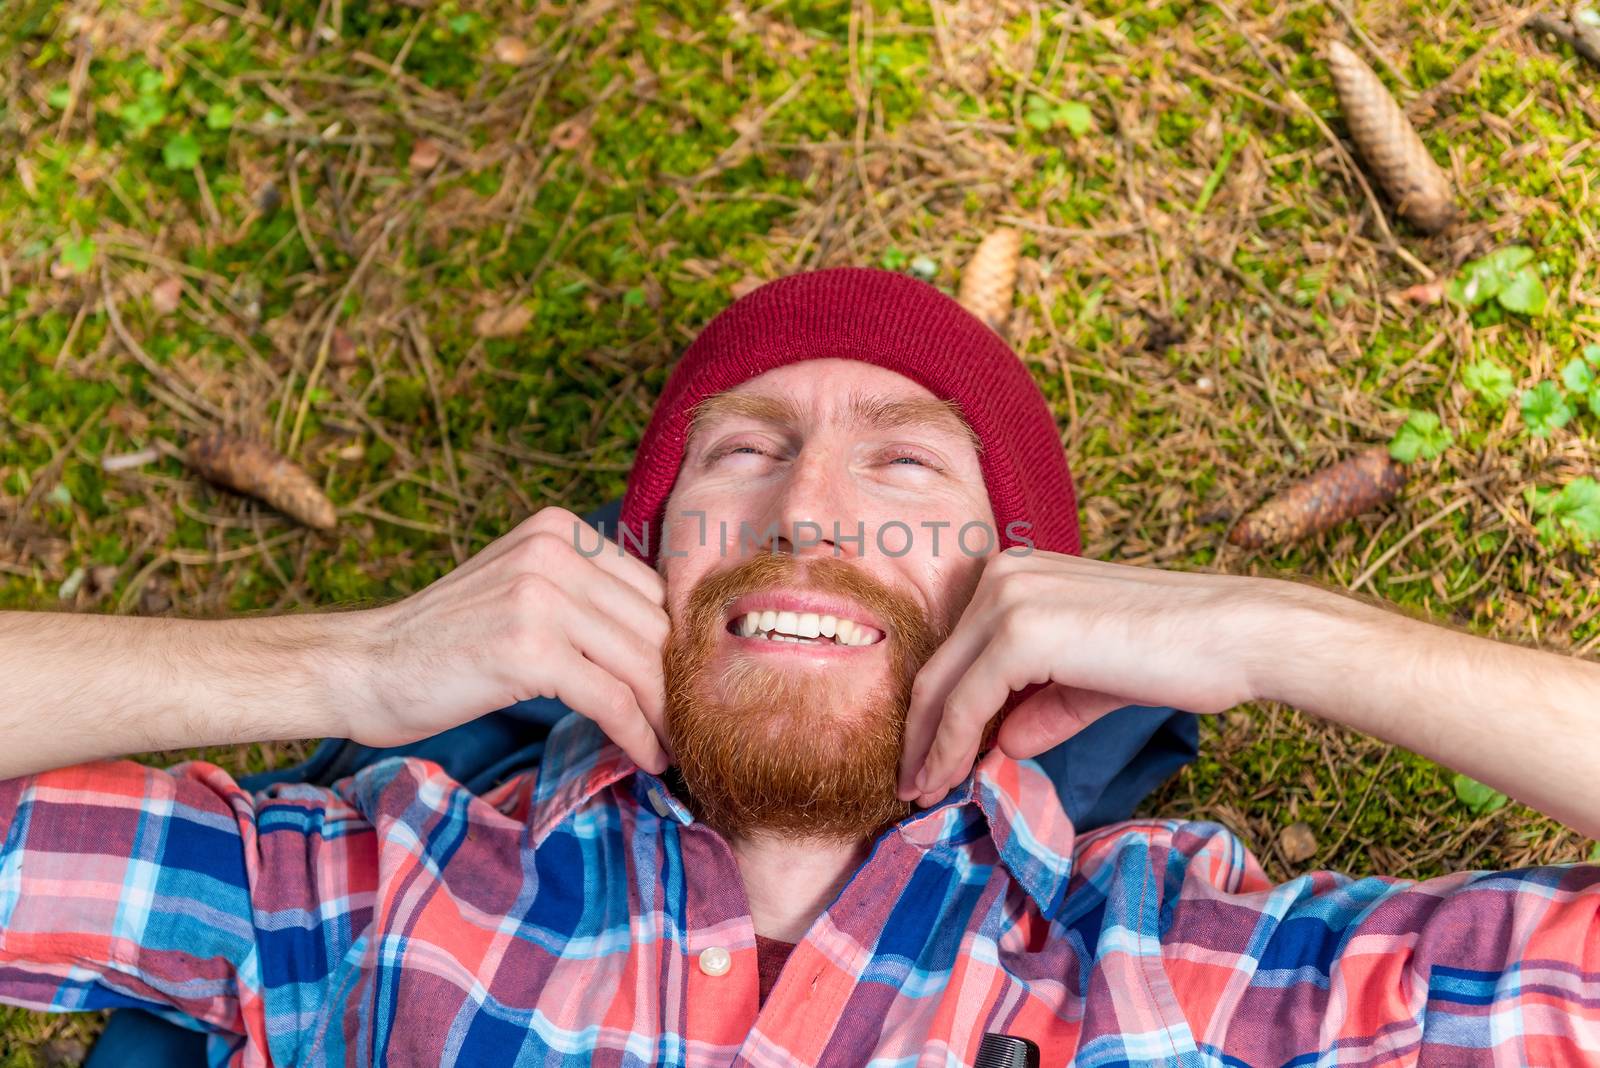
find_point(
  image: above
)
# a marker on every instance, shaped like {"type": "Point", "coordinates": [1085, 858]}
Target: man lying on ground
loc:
{"type": "Point", "coordinates": [835, 869]}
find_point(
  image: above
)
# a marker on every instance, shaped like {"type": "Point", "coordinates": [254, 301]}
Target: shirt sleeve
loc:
{"type": "Point", "coordinates": [1476, 967]}
{"type": "Point", "coordinates": [176, 889]}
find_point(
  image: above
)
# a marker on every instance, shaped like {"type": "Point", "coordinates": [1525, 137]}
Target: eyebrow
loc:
{"type": "Point", "coordinates": [875, 413]}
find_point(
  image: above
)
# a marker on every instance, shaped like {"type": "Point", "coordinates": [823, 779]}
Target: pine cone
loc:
{"type": "Point", "coordinates": [991, 277]}
{"type": "Point", "coordinates": [1322, 500]}
{"type": "Point", "coordinates": [251, 468]}
{"type": "Point", "coordinates": [1390, 145]}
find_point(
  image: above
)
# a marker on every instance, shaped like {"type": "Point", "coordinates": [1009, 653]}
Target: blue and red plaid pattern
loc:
{"type": "Point", "coordinates": [559, 919]}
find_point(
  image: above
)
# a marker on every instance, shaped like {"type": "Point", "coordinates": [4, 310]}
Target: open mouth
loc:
{"type": "Point", "coordinates": [802, 628]}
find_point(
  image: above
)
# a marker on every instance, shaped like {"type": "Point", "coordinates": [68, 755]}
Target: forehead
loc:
{"type": "Point", "coordinates": [834, 392]}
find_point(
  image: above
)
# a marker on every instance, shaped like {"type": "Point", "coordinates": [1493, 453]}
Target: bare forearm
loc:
{"type": "Point", "coordinates": [86, 687]}
{"type": "Point", "coordinates": [1524, 721]}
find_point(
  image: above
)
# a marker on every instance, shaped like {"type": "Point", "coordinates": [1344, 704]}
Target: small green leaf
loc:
{"type": "Point", "coordinates": [1076, 117]}
{"type": "Point", "coordinates": [60, 97]}
{"type": "Point", "coordinates": [1575, 510]}
{"type": "Point", "coordinates": [1594, 854]}
{"type": "Point", "coordinates": [1478, 798]}
{"type": "Point", "coordinates": [634, 298]}
{"type": "Point", "coordinates": [1544, 408]}
{"type": "Point", "coordinates": [1482, 279]}
{"type": "Point", "coordinates": [1421, 436]}
{"type": "Point", "coordinates": [78, 254]}
{"type": "Point", "coordinates": [1038, 115]}
{"type": "Point", "coordinates": [1489, 380]}
{"type": "Point", "coordinates": [1577, 376]}
{"type": "Point", "coordinates": [893, 260]}
{"type": "Point", "coordinates": [219, 117]}
{"type": "Point", "coordinates": [1594, 398]}
{"type": "Point", "coordinates": [142, 113]}
{"type": "Point", "coordinates": [181, 152]}
{"type": "Point", "coordinates": [1524, 293]}
{"type": "Point", "coordinates": [1592, 354]}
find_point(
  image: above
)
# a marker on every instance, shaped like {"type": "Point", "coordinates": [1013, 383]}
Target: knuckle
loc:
{"type": "Point", "coordinates": [531, 594]}
{"type": "Point", "coordinates": [544, 551]}
{"type": "Point", "coordinates": [551, 519]}
{"type": "Point", "coordinates": [1014, 626]}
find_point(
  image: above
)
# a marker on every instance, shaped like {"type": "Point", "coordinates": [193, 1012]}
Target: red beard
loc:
{"type": "Point", "coordinates": [792, 750]}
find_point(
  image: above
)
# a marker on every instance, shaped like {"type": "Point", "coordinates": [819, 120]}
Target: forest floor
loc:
{"type": "Point", "coordinates": [443, 255]}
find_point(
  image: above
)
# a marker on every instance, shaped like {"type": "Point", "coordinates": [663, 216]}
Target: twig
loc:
{"type": "Point", "coordinates": [1430, 98]}
{"type": "Point", "coordinates": [327, 334]}
{"type": "Point", "coordinates": [193, 400]}
{"type": "Point", "coordinates": [300, 214]}
{"type": "Point", "coordinates": [1411, 536]}
{"type": "Point", "coordinates": [1585, 40]}
{"type": "Point", "coordinates": [1333, 140]}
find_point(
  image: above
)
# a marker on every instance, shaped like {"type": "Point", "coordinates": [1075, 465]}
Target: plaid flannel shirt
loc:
{"type": "Point", "coordinates": [565, 918]}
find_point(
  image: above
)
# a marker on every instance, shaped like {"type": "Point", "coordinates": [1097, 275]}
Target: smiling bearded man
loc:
{"type": "Point", "coordinates": [769, 745]}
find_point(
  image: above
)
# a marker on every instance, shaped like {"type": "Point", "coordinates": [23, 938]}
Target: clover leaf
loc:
{"type": "Point", "coordinates": [1573, 511]}
{"type": "Point", "coordinates": [78, 254]}
{"type": "Point", "coordinates": [1523, 293]}
{"type": "Point", "coordinates": [1577, 375]}
{"type": "Point", "coordinates": [1074, 115]}
{"type": "Point", "coordinates": [1506, 275]}
{"type": "Point", "coordinates": [1422, 436]}
{"type": "Point", "coordinates": [1478, 798]}
{"type": "Point", "coordinates": [181, 152]}
{"type": "Point", "coordinates": [1489, 380]}
{"type": "Point", "coordinates": [1544, 408]}
{"type": "Point", "coordinates": [1482, 279]}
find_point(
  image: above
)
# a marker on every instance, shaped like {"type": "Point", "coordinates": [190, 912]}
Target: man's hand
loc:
{"type": "Point", "coordinates": [1099, 636]}
{"type": "Point", "coordinates": [529, 616]}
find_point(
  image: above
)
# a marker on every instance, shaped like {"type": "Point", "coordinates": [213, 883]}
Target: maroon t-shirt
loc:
{"type": "Point", "coordinates": [770, 955]}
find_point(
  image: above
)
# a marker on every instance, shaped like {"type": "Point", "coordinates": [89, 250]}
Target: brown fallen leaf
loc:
{"type": "Point", "coordinates": [252, 468]}
{"type": "Point", "coordinates": [425, 155]}
{"type": "Point", "coordinates": [342, 350]}
{"type": "Point", "coordinates": [508, 321]}
{"type": "Point", "coordinates": [165, 295]}
{"type": "Point", "coordinates": [990, 278]}
{"type": "Point", "coordinates": [510, 50]}
{"type": "Point", "coordinates": [1390, 145]}
{"type": "Point", "coordinates": [1297, 842]}
{"type": "Point", "coordinates": [1422, 293]}
{"type": "Point", "coordinates": [1322, 500]}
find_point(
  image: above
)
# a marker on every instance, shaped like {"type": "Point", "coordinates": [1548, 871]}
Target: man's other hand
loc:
{"type": "Point", "coordinates": [1098, 636]}
{"type": "Point", "coordinates": [529, 616]}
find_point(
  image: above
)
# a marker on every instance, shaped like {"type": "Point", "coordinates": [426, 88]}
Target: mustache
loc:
{"type": "Point", "coordinates": [903, 619]}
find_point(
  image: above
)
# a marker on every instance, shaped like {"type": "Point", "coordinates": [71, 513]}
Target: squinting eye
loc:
{"type": "Point", "coordinates": [909, 459]}
{"type": "Point", "coordinates": [730, 450]}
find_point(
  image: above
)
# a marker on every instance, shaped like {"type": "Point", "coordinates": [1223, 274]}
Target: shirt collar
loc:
{"type": "Point", "coordinates": [1014, 798]}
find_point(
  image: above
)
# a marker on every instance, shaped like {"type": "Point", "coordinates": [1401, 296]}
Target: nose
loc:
{"type": "Point", "coordinates": [814, 511]}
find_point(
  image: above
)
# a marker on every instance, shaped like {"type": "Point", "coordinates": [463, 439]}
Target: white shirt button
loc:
{"type": "Point", "coordinates": [716, 961]}
{"type": "Point", "coordinates": [659, 803]}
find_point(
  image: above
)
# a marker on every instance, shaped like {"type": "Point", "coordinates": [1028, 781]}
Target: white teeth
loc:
{"type": "Point", "coordinates": [776, 625]}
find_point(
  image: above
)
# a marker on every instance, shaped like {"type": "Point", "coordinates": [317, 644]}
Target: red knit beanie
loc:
{"type": "Point", "coordinates": [895, 322]}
